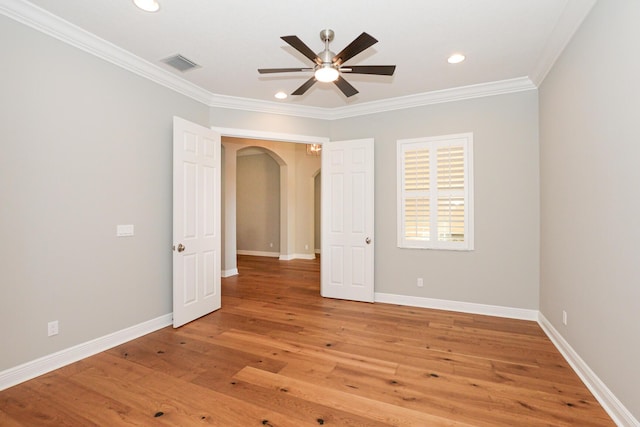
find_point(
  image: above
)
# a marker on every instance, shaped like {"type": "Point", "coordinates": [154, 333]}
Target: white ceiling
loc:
{"type": "Point", "coordinates": [231, 39]}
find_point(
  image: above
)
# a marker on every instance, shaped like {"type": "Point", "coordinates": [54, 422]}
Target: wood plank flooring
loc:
{"type": "Point", "coordinates": [277, 354]}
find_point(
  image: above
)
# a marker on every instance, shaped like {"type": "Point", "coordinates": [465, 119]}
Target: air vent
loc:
{"type": "Point", "coordinates": [180, 63]}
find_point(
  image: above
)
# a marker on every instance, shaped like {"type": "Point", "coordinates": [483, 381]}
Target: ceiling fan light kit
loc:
{"type": "Point", "coordinates": [326, 74]}
{"type": "Point", "coordinates": [328, 67]}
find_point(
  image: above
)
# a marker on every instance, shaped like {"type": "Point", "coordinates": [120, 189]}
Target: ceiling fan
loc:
{"type": "Point", "coordinates": [329, 66]}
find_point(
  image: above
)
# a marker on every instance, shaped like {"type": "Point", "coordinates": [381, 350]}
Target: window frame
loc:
{"type": "Point", "coordinates": [432, 144]}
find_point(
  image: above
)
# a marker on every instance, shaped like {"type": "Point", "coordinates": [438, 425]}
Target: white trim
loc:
{"type": "Point", "coordinates": [229, 273]}
{"type": "Point", "coordinates": [432, 145]}
{"type": "Point", "coordinates": [269, 107]}
{"type": "Point", "coordinates": [463, 307]}
{"type": "Point", "coordinates": [616, 410]}
{"type": "Point", "coordinates": [572, 17]}
{"type": "Point", "coordinates": [317, 251]}
{"type": "Point", "coordinates": [258, 253]}
{"type": "Point", "coordinates": [290, 257]}
{"type": "Point", "coordinates": [270, 136]}
{"type": "Point", "coordinates": [54, 26]}
{"type": "Point", "coordinates": [461, 93]}
{"type": "Point", "coordinates": [48, 363]}
{"type": "Point", "coordinates": [434, 97]}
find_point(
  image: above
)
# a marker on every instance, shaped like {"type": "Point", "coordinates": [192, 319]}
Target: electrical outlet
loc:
{"type": "Point", "coordinates": [564, 318]}
{"type": "Point", "coordinates": [52, 328]}
{"type": "Point", "coordinates": [420, 282]}
{"type": "Point", "coordinates": [306, 247]}
{"type": "Point", "coordinates": [271, 244]}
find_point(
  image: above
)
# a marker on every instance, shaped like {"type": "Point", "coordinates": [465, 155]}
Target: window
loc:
{"type": "Point", "coordinates": [435, 192]}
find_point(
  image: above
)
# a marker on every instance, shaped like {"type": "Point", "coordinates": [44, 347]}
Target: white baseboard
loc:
{"type": "Point", "coordinates": [258, 253]}
{"type": "Point", "coordinates": [229, 273]}
{"type": "Point", "coordinates": [297, 256]}
{"type": "Point", "coordinates": [464, 307]}
{"type": "Point", "coordinates": [616, 410]}
{"type": "Point", "coordinates": [30, 370]}
{"type": "Point", "coordinates": [287, 257]}
{"type": "Point", "coordinates": [317, 251]}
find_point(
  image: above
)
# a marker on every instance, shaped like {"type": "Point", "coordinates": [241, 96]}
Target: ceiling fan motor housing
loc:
{"type": "Point", "coordinates": [326, 57]}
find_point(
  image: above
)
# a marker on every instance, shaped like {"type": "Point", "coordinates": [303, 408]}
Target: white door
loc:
{"type": "Point", "coordinates": [347, 220]}
{"type": "Point", "coordinates": [196, 221]}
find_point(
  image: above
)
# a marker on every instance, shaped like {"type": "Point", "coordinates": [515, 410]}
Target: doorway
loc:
{"type": "Point", "coordinates": [297, 183]}
{"type": "Point", "coordinates": [258, 202]}
{"type": "Point", "coordinates": [347, 271]}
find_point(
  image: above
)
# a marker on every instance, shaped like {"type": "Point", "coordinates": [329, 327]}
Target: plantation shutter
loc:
{"type": "Point", "coordinates": [450, 174]}
{"type": "Point", "coordinates": [416, 201]}
{"type": "Point", "coordinates": [434, 194]}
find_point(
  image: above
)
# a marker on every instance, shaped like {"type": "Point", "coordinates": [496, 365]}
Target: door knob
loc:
{"type": "Point", "coordinates": [368, 240]}
{"type": "Point", "coordinates": [181, 247]}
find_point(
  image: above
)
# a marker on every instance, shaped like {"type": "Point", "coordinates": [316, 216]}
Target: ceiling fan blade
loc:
{"type": "Point", "coordinates": [362, 42]}
{"type": "Point", "coordinates": [345, 87]}
{"type": "Point", "coordinates": [380, 70]}
{"type": "Point", "coordinates": [299, 45]}
{"type": "Point", "coordinates": [282, 70]}
{"type": "Point", "coordinates": [305, 87]}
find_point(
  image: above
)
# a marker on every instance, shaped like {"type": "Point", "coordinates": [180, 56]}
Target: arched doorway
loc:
{"type": "Point", "coordinates": [258, 202]}
{"type": "Point", "coordinates": [297, 170]}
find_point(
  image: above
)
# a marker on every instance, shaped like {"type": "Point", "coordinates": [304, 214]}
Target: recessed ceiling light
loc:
{"type": "Point", "coordinates": [455, 58]}
{"type": "Point", "coordinates": [148, 5]}
{"type": "Point", "coordinates": [281, 95]}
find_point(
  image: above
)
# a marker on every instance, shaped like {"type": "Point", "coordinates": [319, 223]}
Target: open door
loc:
{"type": "Point", "coordinates": [196, 221]}
{"type": "Point", "coordinates": [347, 220]}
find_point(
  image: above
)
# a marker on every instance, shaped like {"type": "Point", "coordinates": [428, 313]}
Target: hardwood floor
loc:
{"type": "Point", "coordinates": [277, 354]}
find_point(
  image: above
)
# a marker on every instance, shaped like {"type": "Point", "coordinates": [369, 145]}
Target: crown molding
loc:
{"type": "Point", "coordinates": [54, 26]}
{"type": "Point", "coordinates": [411, 101]}
{"type": "Point", "coordinates": [435, 97]}
{"type": "Point", "coordinates": [271, 107]}
{"type": "Point", "coordinates": [572, 17]}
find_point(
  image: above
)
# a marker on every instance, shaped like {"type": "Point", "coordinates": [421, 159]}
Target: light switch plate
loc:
{"type": "Point", "coordinates": [124, 230]}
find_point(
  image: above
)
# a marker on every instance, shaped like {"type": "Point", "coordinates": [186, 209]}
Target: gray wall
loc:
{"type": "Point", "coordinates": [503, 268]}
{"type": "Point", "coordinates": [590, 196]}
{"type": "Point", "coordinates": [85, 146]}
{"type": "Point", "coordinates": [258, 203]}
